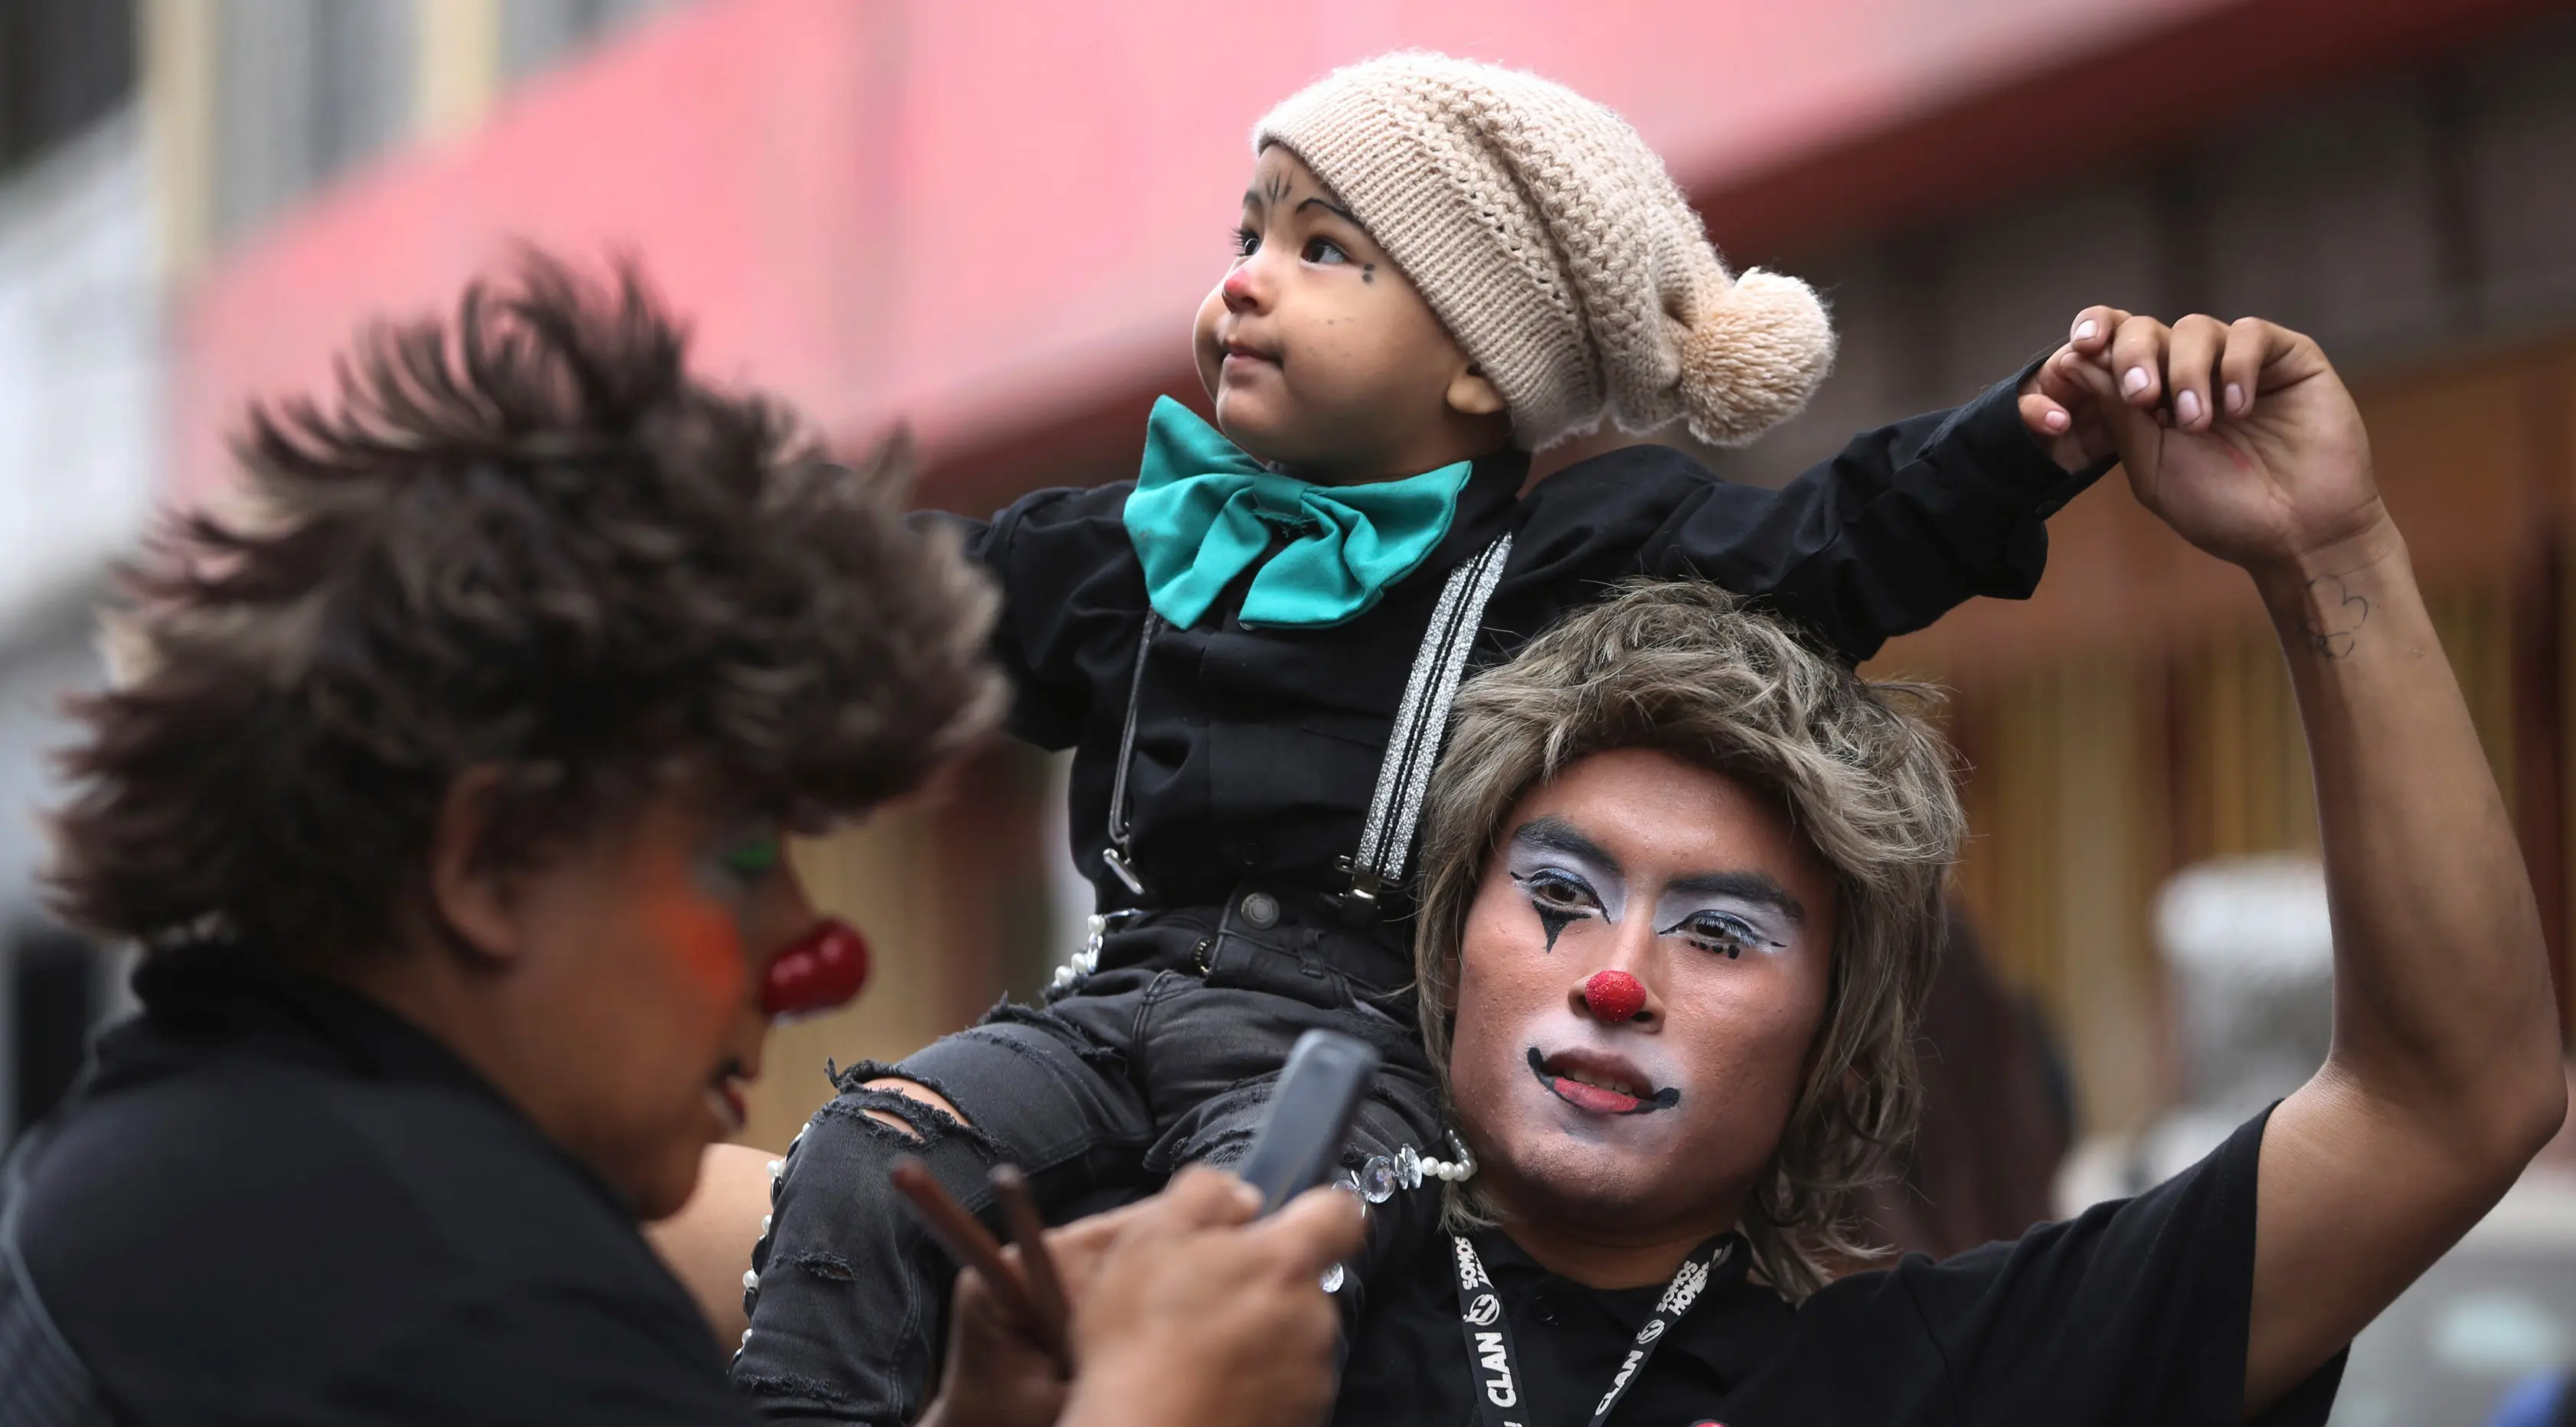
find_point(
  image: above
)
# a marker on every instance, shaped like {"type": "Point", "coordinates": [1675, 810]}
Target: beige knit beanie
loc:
{"type": "Point", "coordinates": [1549, 239]}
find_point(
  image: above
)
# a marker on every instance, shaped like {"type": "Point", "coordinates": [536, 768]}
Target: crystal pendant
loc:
{"type": "Point", "coordinates": [1408, 1168]}
{"type": "Point", "coordinates": [1377, 1179]}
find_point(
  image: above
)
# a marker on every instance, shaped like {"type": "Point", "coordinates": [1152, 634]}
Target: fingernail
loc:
{"type": "Point", "coordinates": [2054, 421]}
{"type": "Point", "coordinates": [2085, 329]}
{"type": "Point", "coordinates": [2187, 405]}
{"type": "Point", "coordinates": [2235, 397]}
{"type": "Point", "coordinates": [2134, 381]}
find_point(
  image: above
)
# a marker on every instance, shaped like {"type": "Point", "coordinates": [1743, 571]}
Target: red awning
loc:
{"type": "Point", "coordinates": [992, 218]}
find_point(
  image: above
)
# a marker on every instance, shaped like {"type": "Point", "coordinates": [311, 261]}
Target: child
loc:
{"type": "Point", "coordinates": [1442, 267]}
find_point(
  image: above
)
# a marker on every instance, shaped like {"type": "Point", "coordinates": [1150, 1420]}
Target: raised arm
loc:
{"type": "Point", "coordinates": [2444, 1079]}
{"type": "Point", "coordinates": [1900, 526]}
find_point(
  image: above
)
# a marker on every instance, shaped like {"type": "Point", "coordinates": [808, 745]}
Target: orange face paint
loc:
{"type": "Point", "coordinates": [678, 913]}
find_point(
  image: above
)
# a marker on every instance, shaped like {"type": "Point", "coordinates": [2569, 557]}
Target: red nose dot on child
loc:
{"type": "Point", "coordinates": [1614, 996]}
{"type": "Point", "coordinates": [825, 968]}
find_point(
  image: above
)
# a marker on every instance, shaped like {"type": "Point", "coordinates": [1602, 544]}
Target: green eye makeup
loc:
{"type": "Point", "coordinates": [752, 857]}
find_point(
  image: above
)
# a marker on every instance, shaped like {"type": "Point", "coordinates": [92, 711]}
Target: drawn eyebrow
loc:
{"type": "Point", "coordinates": [1555, 834]}
{"type": "Point", "coordinates": [1335, 209]}
{"type": "Point", "coordinates": [1744, 887]}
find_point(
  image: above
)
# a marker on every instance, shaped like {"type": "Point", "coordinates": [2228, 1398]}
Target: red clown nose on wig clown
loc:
{"type": "Point", "coordinates": [1614, 996]}
{"type": "Point", "coordinates": [824, 969]}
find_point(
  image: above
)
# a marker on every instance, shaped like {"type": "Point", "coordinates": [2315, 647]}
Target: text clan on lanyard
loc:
{"type": "Point", "coordinates": [1489, 1335]}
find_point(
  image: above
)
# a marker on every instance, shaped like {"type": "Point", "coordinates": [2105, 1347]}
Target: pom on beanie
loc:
{"type": "Point", "coordinates": [1548, 238]}
{"type": "Point", "coordinates": [1754, 358]}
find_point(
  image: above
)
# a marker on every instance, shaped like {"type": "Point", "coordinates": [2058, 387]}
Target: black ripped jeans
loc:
{"type": "Point", "coordinates": [1163, 1057]}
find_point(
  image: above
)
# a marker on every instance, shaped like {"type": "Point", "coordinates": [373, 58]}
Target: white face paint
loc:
{"type": "Point", "coordinates": [1729, 912]}
{"type": "Point", "coordinates": [1701, 889]}
{"type": "Point", "coordinates": [1565, 877]}
{"type": "Point", "coordinates": [1568, 879]}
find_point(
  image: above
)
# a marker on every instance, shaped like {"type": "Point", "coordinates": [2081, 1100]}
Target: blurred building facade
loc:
{"type": "Point", "coordinates": [991, 220]}
{"type": "Point", "coordinates": [135, 142]}
{"type": "Point", "coordinates": [2418, 217]}
{"type": "Point", "coordinates": [80, 386]}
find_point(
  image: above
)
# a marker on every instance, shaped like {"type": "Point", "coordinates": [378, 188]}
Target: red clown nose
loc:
{"type": "Point", "coordinates": [1614, 996]}
{"type": "Point", "coordinates": [824, 969]}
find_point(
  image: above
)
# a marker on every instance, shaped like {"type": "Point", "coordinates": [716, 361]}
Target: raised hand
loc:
{"type": "Point", "coordinates": [2239, 436]}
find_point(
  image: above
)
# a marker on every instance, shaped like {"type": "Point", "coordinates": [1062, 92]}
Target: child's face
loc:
{"type": "Point", "coordinates": [1321, 355]}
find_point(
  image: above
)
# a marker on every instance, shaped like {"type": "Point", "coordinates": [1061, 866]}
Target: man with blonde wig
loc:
{"type": "Point", "coordinates": [1681, 905]}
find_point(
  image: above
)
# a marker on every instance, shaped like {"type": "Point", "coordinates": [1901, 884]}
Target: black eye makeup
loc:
{"type": "Point", "coordinates": [1720, 932]}
{"type": "Point", "coordinates": [1559, 897]}
{"type": "Point", "coordinates": [1566, 878]}
{"type": "Point", "coordinates": [1326, 253]}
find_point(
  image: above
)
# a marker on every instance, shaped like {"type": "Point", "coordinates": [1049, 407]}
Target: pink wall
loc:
{"type": "Point", "coordinates": [991, 218]}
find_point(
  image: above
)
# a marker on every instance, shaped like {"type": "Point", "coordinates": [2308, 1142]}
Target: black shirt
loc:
{"type": "Point", "coordinates": [1257, 749]}
{"type": "Point", "coordinates": [2134, 1313]}
{"type": "Point", "coordinates": [273, 1202]}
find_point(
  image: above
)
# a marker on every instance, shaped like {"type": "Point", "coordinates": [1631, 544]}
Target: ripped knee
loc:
{"type": "Point", "coordinates": [914, 1091]}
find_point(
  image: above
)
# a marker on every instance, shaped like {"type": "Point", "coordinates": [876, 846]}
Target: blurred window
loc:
{"type": "Point", "coordinates": [303, 90]}
{"type": "Point", "coordinates": [63, 63]}
{"type": "Point", "coordinates": [538, 34]}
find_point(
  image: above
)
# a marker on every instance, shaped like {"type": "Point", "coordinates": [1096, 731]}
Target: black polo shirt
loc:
{"type": "Point", "coordinates": [273, 1202]}
{"type": "Point", "coordinates": [1257, 749]}
{"type": "Point", "coordinates": [2134, 1313]}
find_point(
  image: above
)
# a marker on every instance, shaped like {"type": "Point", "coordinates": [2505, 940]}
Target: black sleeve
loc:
{"type": "Point", "coordinates": [2136, 1312]}
{"type": "Point", "coordinates": [1064, 567]}
{"type": "Point", "coordinates": [552, 1356]}
{"type": "Point", "coordinates": [1904, 524]}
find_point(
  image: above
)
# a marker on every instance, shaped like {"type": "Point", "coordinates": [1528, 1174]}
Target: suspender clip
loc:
{"type": "Point", "coordinates": [1124, 873]}
{"type": "Point", "coordinates": [1366, 885]}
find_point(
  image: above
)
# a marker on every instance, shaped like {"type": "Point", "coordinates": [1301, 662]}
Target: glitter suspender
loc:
{"type": "Point", "coordinates": [1421, 724]}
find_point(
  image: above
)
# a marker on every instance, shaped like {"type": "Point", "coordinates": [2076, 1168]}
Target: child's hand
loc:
{"type": "Point", "coordinates": [2062, 412]}
{"type": "Point", "coordinates": [2273, 486]}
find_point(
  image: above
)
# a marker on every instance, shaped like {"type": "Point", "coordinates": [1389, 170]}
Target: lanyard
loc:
{"type": "Point", "coordinates": [1489, 1335]}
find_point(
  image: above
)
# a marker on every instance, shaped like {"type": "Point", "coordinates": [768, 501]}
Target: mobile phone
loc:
{"type": "Point", "coordinates": [1310, 1114]}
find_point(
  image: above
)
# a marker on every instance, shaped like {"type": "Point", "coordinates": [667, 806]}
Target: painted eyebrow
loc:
{"type": "Point", "coordinates": [1743, 887]}
{"type": "Point", "coordinates": [1557, 835]}
{"type": "Point", "coordinates": [1333, 208]}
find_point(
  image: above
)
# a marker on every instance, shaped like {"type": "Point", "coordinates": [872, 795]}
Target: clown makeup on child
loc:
{"type": "Point", "coordinates": [1320, 356]}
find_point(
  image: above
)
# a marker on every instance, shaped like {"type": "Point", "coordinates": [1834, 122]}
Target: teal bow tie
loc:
{"type": "Point", "coordinates": [1202, 513]}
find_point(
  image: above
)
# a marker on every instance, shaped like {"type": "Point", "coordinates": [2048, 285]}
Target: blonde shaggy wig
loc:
{"type": "Point", "coordinates": [1680, 668]}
